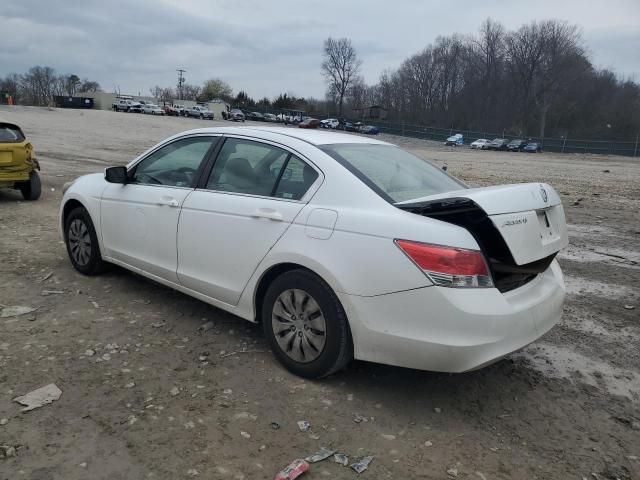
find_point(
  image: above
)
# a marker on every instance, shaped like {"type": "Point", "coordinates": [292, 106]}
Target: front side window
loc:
{"type": "Point", "coordinates": [246, 166]}
{"type": "Point", "coordinates": [391, 172]}
{"type": "Point", "coordinates": [174, 165]}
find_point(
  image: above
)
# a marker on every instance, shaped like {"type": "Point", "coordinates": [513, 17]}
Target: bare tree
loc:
{"type": "Point", "coordinates": [340, 67]}
{"type": "Point", "coordinates": [216, 88]}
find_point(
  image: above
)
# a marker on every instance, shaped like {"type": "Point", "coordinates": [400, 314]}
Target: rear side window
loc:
{"type": "Point", "coordinates": [255, 168]}
{"type": "Point", "coordinates": [296, 179]}
{"type": "Point", "coordinates": [10, 134]}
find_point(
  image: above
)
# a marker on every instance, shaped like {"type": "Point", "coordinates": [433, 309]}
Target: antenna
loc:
{"type": "Point", "coordinates": [180, 81]}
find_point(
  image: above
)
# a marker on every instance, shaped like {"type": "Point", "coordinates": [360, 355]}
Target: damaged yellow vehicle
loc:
{"type": "Point", "coordinates": [18, 164]}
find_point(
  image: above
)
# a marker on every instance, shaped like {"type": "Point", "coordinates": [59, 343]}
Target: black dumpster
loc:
{"type": "Point", "coordinates": [74, 102]}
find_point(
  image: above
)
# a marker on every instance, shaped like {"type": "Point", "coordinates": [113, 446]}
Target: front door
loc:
{"type": "Point", "coordinates": [252, 195]}
{"type": "Point", "coordinates": [139, 220]}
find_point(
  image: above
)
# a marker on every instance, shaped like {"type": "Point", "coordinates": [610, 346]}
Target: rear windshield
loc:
{"type": "Point", "coordinates": [10, 134]}
{"type": "Point", "coordinates": [391, 172]}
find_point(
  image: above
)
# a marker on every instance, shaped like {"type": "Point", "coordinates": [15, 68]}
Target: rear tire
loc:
{"type": "Point", "coordinates": [82, 243]}
{"type": "Point", "coordinates": [32, 188]}
{"type": "Point", "coordinates": [294, 326]}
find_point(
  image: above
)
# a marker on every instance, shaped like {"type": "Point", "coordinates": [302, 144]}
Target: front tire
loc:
{"type": "Point", "coordinates": [82, 243]}
{"type": "Point", "coordinates": [32, 188]}
{"type": "Point", "coordinates": [306, 325]}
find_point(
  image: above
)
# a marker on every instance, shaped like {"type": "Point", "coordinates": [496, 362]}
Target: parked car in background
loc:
{"type": "Point", "coordinates": [479, 144]}
{"type": "Point", "coordinates": [455, 140]}
{"type": "Point", "coordinates": [370, 130]}
{"type": "Point", "coordinates": [136, 108]}
{"type": "Point", "coordinates": [126, 105]}
{"type": "Point", "coordinates": [532, 147]}
{"type": "Point", "coordinates": [182, 110]}
{"type": "Point", "coordinates": [171, 111]}
{"type": "Point", "coordinates": [498, 144]}
{"type": "Point", "coordinates": [18, 164]}
{"type": "Point", "coordinates": [256, 116]}
{"type": "Point", "coordinates": [236, 115]}
{"type": "Point", "coordinates": [198, 111]}
{"type": "Point", "coordinates": [292, 229]}
{"type": "Point", "coordinates": [270, 117]}
{"type": "Point", "coordinates": [516, 145]}
{"type": "Point", "coordinates": [330, 123]}
{"type": "Point", "coordinates": [309, 123]}
{"type": "Point", "coordinates": [152, 109]}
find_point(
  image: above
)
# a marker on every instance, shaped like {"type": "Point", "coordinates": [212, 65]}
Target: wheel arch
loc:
{"type": "Point", "coordinates": [68, 207]}
{"type": "Point", "coordinates": [273, 272]}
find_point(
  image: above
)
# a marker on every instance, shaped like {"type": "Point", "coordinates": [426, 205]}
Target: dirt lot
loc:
{"type": "Point", "coordinates": [567, 406]}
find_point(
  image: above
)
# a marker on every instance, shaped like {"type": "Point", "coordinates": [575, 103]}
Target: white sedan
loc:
{"type": "Point", "coordinates": [480, 144]}
{"type": "Point", "coordinates": [152, 109]}
{"type": "Point", "coordinates": [341, 246]}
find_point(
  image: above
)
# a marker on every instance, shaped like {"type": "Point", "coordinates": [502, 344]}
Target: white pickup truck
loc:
{"type": "Point", "coordinates": [126, 105]}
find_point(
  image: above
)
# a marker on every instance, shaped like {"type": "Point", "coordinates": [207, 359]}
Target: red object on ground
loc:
{"type": "Point", "coordinates": [294, 470]}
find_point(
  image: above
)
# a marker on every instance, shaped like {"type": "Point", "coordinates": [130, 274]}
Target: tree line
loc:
{"type": "Point", "coordinates": [40, 85]}
{"type": "Point", "coordinates": [537, 80]}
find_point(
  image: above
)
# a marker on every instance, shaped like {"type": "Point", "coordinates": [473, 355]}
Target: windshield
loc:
{"type": "Point", "coordinates": [391, 172]}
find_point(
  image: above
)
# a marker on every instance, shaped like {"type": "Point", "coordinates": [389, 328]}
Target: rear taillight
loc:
{"type": "Point", "coordinates": [448, 266]}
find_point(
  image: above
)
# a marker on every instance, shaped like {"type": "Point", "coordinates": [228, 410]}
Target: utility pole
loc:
{"type": "Point", "coordinates": [180, 81]}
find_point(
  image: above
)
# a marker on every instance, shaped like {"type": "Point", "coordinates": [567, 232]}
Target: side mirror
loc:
{"type": "Point", "coordinates": [116, 175]}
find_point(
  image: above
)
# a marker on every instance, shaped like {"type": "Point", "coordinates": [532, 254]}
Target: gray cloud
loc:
{"type": "Point", "coordinates": [270, 47]}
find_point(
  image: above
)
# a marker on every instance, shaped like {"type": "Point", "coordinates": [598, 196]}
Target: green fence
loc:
{"type": "Point", "coordinates": [562, 145]}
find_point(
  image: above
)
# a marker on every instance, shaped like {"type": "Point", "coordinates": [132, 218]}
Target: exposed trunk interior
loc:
{"type": "Point", "coordinates": [507, 275]}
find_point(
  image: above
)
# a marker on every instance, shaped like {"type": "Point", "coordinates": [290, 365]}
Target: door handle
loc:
{"type": "Point", "coordinates": [170, 201]}
{"type": "Point", "coordinates": [268, 213]}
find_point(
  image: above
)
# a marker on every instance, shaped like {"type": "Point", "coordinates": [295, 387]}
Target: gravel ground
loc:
{"type": "Point", "coordinates": [146, 395]}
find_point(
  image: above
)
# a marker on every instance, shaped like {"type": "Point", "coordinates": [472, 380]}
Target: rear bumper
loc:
{"type": "Point", "coordinates": [453, 330]}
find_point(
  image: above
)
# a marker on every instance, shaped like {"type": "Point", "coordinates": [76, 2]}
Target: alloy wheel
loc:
{"type": "Point", "coordinates": [79, 242]}
{"type": "Point", "coordinates": [299, 325]}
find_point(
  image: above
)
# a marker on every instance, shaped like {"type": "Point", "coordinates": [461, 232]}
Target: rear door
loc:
{"type": "Point", "coordinates": [253, 193]}
{"type": "Point", "coordinates": [139, 220]}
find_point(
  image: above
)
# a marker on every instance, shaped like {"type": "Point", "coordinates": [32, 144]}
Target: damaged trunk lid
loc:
{"type": "Point", "coordinates": [520, 228]}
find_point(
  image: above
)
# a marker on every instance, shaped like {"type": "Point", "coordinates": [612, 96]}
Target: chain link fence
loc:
{"type": "Point", "coordinates": [629, 148]}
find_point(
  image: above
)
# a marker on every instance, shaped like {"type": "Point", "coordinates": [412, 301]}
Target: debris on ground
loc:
{"type": "Point", "coordinates": [629, 307]}
{"type": "Point", "coordinates": [275, 425]}
{"type": "Point", "coordinates": [428, 443]}
{"type": "Point", "coordinates": [206, 326]}
{"type": "Point", "coordinates": [362, 464]}
{"type": "Point", "coordinates": [7, 451]}
{"type": "Point", "coordinates": [452, 472]}
{"type": "Point", "coordinates": [245, 435]}
{"type": "Point", "coordinates": [15, 311]}
{"type": "Point", "coordinates": [320, 455]}
{"type": "Point", "coordinates": [341, 458]}
{"type": "Point", "coordinates": [39, 397]}
{"type": "Point", "coordinates": [46, 277]}
{"type": "Point", "coordinates": [175, 391]}
{"type": "Point", "coordinates": [158, 324]}
{"type": "Point", "coordinates": [304, 426]}
{"type": "Point", "coordinates": [293, 470]}
{"type": "Point", "coordinates": [3, 421]}
{"type": "Point", "coordinates": [90, 352]}
{"type": "Point", "coordinates": [46, 293]}
{"type": "Point", "coordinates": [437, 410]}
{"type": "Point", "coordinates": [359, 418]}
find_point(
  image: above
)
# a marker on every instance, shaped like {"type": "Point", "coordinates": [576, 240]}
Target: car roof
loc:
{"type": "Point", "coordinates": [12, 124]}
{"type": "Point", "coordinates": [315, 137]}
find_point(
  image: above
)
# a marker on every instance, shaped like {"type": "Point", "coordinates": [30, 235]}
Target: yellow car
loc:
{"type": "Point", "coordinates": [18, 162]}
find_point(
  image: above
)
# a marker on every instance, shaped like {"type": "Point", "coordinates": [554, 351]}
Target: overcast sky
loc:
{"type": "Point", "coordinates": [267, 47]}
